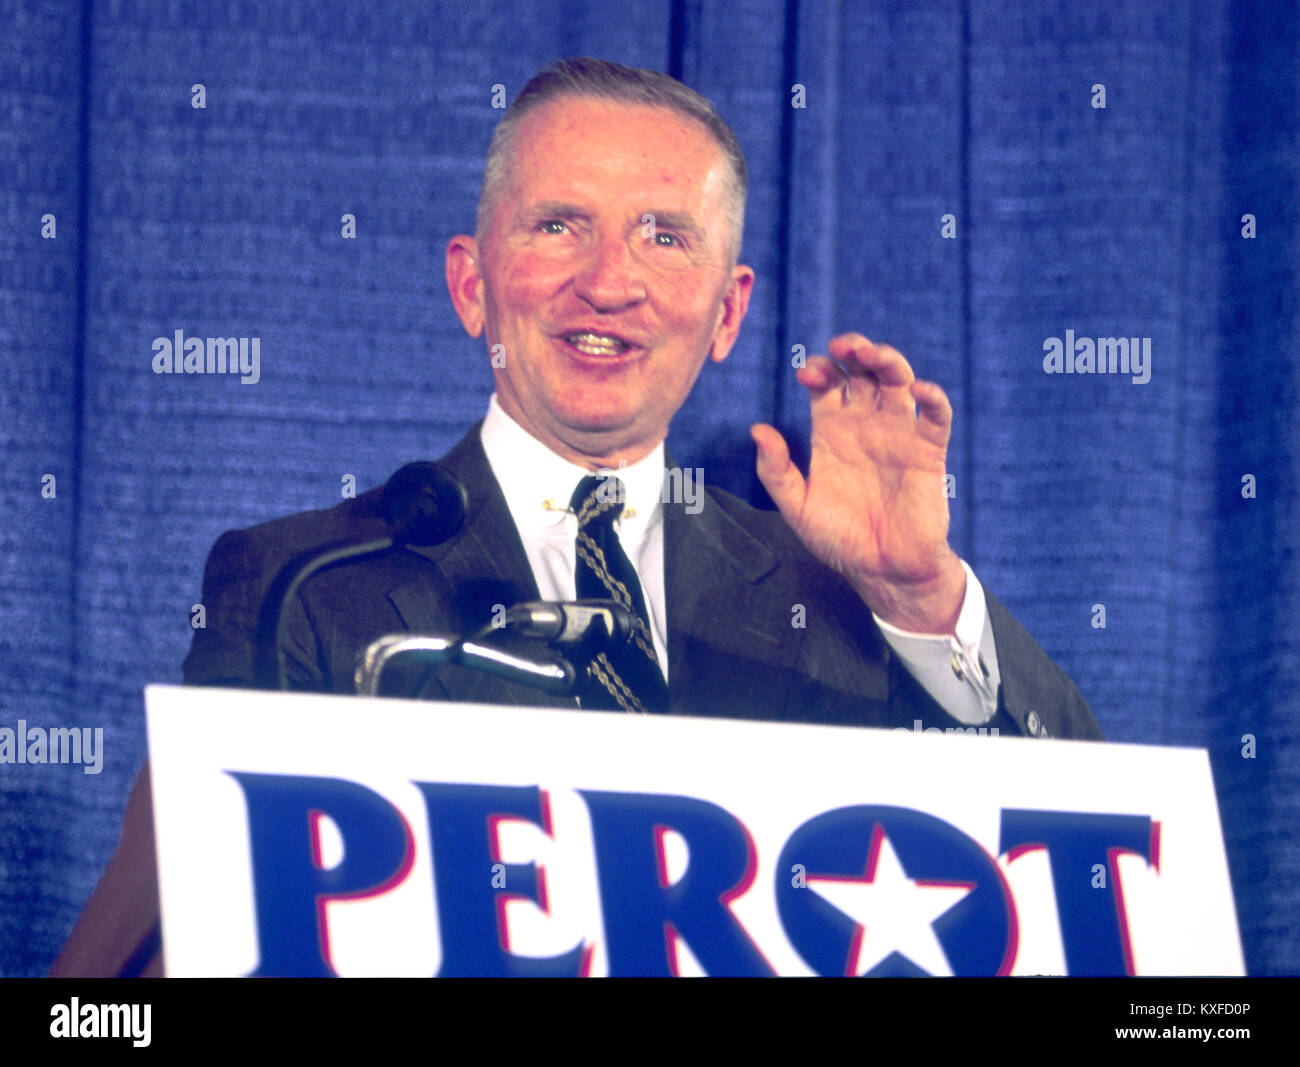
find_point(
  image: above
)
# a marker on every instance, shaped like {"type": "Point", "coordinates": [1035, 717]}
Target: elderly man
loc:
{"type": "Point", "coordinates": [603, 275]}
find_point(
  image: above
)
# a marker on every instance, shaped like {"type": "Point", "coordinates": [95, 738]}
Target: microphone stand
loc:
{"type": "Point", "coordinates": [272, 662]}
{"type": "Point", "coordinates": [422, 504]}
{"type": "Point", "coordinates": [552, 673]}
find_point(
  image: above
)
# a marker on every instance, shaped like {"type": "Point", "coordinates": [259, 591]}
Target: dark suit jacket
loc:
{"type": "Point", "coordinates": [733, 575]}
{"type": "Point", "coordinates": [733, 578]}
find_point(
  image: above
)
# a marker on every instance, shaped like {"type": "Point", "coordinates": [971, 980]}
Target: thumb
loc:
{"type": "Point", "coordinates": [780, 477]}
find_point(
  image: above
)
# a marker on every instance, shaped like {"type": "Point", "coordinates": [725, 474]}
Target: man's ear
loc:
{"type": "Point", "coordinates": [734, 305]}
{"type": "Point", "coordinates": [465, 283]}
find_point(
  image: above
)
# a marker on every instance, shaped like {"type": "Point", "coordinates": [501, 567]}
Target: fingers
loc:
{"type": "Point", "coordinates": [934, 416]}
{"type": "Point", "coordinates": [859, 373]}
{"type": "Point", "coordinates": [820, 374]}
{"type": "Point", "coordinates": [780, 477]}
{"type": "Point", "coordinates": [882, 362]}
{"type": "Point", "coordinates": [859, 369]}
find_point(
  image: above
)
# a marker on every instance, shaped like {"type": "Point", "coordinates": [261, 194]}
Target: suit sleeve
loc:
{"type": "Point", "coordinates": [239, 571]}
{"type": "Point", "coordinates": [1035, 692]}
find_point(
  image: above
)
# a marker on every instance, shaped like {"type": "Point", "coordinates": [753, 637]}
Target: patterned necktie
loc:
{"type": "Point", "coordinates": [629, 678]}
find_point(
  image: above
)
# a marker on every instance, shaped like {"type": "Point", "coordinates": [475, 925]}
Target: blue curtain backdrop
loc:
{"type": "Point", "coordinates": [1071, 491]}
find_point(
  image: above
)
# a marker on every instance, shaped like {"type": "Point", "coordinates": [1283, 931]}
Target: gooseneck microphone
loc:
{"type": "Point", "coordinates": [423, 504]}
{"type": "Point", "coordinates": [579, 627]}
{"type": "Point", "coordinates": [602, 624]}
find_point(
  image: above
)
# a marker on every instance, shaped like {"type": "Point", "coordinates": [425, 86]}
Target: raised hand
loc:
{"type": "Point", "coordinates": [873, 506]}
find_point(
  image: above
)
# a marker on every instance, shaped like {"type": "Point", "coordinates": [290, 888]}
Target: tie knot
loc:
{"type": "Point", "coordinates": [598, 500]}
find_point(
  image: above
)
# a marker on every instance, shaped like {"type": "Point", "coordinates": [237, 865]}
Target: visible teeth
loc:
{"type": "Point", "coordinates": [595, 344]}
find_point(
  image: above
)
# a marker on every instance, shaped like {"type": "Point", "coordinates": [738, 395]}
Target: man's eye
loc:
{"type": "Point", "coordinates": [553, 226]}
{"type": "Point", "coordinates": [666, 240]}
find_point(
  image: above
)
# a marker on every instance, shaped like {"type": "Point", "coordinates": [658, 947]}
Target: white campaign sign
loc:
{"type": "Point", "coordinates": [296, 834]}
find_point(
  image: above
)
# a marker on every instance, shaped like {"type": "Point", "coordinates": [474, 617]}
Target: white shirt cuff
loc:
{"type": "Point", "coordinates": [961, 671]}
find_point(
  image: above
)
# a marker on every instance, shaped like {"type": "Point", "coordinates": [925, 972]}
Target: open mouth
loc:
{"type": "Point", "coordinates": [597, 345]}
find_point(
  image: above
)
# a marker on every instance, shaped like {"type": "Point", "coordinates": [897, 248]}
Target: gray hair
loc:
{"type": "Point", "coordinates": [602, 80]}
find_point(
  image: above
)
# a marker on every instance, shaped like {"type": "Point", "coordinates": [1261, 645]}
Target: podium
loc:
{"type": "Point", "coordinates": [316, 835]}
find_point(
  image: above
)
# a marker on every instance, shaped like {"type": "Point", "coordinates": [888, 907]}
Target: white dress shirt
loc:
{"type": "Point", "coordinates": [960, 672]}
{"type": "Point", "coordinates": [538, 486]}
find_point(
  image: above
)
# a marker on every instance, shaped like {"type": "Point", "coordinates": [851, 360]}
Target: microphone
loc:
{"type": "Point", "coordinates": [541, 668]}
{"type": "Point", "coordinates": [603, 624]}
{"type": "Point", "coordinates": [589, 626]}
{"type": "Point", "coordinates": [422, 504]}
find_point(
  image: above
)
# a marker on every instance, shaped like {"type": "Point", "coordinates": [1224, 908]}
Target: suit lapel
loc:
{"type": "Point", "coordinates": [486, 553]}
{"type": "Point", "coordinates": [722, 613]}
{"type": "Point", "coordinates": [484, 565]}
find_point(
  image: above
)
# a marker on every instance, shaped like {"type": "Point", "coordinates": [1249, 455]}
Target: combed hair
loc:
{"type": "Point", "coordinates": [602, 80]}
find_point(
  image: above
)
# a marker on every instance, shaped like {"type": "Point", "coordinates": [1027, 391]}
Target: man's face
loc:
{"type": "Point", "coordinates": [604, 273]}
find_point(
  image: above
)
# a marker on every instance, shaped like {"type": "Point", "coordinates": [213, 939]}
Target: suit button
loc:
{"type": "Point", "coordinates": [1035, 725]}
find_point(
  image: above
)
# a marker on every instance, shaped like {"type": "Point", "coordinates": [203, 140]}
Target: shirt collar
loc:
{"type": "Point", "coordinates": [538, 484]}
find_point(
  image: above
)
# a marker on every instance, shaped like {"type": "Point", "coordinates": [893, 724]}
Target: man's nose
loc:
{"type": "Point", "coordinates": [610, 278]}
